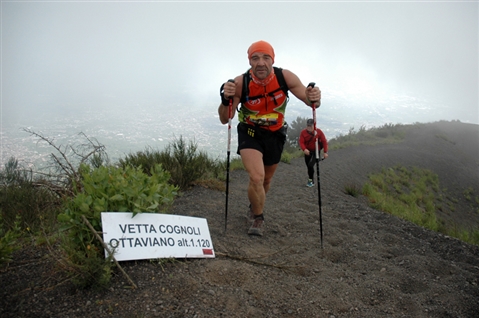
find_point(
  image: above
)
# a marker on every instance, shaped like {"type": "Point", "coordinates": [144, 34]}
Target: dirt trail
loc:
{"type": "Point", "coordinates": [372, 264]}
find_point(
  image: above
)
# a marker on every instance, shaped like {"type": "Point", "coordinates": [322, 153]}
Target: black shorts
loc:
{"type": "Point", "coordinates": [270, 144]}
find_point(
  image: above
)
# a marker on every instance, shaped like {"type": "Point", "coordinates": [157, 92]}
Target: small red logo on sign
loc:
{"type": "Point", "coordinates": [207, 251]}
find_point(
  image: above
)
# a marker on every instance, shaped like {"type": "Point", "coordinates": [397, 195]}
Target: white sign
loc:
{"type": "Point", "coordinates": [154, 235]}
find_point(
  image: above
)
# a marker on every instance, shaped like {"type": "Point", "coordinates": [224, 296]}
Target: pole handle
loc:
{"type": "Point", "coordinates": [231, 97]}
{"type": "Point", "coordinates": [230, 113]}
{"type": "Point", "coordinates": [312, 86]}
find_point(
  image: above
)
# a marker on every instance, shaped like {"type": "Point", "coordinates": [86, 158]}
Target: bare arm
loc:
{"type": "Point", "coordinates": [231, 89]}
{"type": "Point", "coordinates": [305, 94]}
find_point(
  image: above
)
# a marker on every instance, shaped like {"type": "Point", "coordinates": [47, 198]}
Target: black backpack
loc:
{"type": "Point", "coordinates": [247, 78]}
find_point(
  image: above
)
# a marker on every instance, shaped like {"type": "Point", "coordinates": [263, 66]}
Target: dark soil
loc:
{"type": "Point", "coordinates": [372, 264]}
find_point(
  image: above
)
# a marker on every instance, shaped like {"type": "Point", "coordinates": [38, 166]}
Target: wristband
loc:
{"type": "Point", "coordinates": [225, 102]}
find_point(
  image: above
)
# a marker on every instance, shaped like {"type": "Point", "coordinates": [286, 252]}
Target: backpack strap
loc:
{"type": "Point", "coordinates": [247, 79]}
{"type": "Point", "coordinates": [245, 90]}
{"type": "Point", "coordinates": [281, 81]}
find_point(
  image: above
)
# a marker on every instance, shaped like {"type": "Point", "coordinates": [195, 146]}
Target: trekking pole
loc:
{"type": "Point", "coordinates": [230, 111]}
{"type": "Point", "coordinates": [313, 106]}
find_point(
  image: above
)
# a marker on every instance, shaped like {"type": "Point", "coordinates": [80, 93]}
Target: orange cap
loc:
{"type": "Point", "coordinates": [261, 46]}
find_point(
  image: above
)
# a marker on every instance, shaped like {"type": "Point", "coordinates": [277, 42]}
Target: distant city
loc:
{"type": "Point", "coordinates": [132, 127]}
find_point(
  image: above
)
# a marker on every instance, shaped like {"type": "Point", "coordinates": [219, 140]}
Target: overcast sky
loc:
{"type": "Point", "coordinates": [59, 53]}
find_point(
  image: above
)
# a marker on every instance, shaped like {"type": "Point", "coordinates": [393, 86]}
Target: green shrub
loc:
{"type": "Point", "coordinates": [286, 157]}
{"type": "Point", "coordinates": [186, 164]}
{"type": "Point", "coordinates": [236, 164]}
{"type": "Point", "coordinates": [414, 195]}
{"type": "Point", "coordinates": [31, 202]}
{"type": "Point", "coordinates": [8, 241]}
{"type": "Point", "coordinates": [182, 160]}
{"type": "Point", "coordinates": [386, 134]}
{"type": "Point", "coordinates": [352, 189]}
{"type": "Point", "coordinates": [107, 189]}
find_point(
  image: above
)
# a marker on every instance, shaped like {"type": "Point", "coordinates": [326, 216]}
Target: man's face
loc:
{"type": "Point", "coordinates": [310, 128]}
{"type": "Point", "coordinates": [261, 64]}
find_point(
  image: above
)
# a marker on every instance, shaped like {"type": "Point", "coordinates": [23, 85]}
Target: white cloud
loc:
{"type": "Point", "coordinates": [62, 51]}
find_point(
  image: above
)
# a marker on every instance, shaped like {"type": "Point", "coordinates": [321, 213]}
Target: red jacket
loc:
{"type": "Point", "coordinates": [307, 140]}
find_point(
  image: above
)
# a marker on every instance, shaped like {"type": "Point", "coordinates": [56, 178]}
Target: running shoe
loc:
{"type": "Point", "coordinates": [257, 226]}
